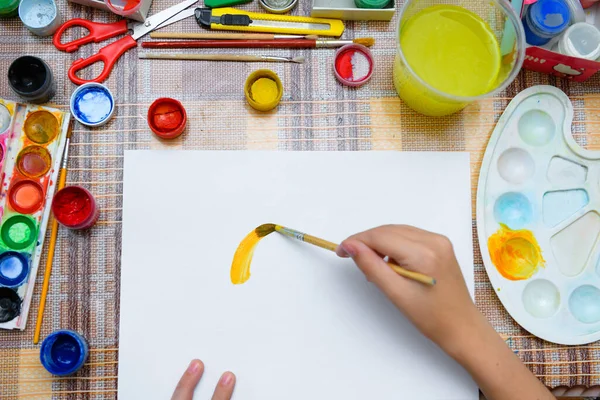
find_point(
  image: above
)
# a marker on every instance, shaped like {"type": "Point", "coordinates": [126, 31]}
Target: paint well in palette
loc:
{"type": "Point", "coordinates": [514, 210]}
{"type": "Point", "coordinates": [573, 245]}
{"type": "Point", "coordinates": [41, 127]}
{"type": "Point", "coordinates": [10, 304]}
{"type": "Point", "coordinates": [19, 232]}
{"type": "Point", "coordinates": [14, 268]}
{"type": "Point", "coordinates": [4, 118]}
{"type": "Point", "coordinates": [584, 304]}
{"type": "Point", "coordinates": [536, 128]}
{"type": "Point", "coordinates": [541, 298]}
{"type": "Point", "coordinates": [559, 205]}
{"type": "Point", "coordinates": [515, 253]}
{"type": "Point", "coordinates": [34, 161]}
{"type": "Point", "coordinates": [565, 172]}
{"type": "Point", "coordinates": [26, 196]}
{"type": "Point", "coordinates": [516, 166]}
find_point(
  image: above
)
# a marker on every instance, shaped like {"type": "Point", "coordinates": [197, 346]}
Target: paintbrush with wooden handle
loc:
{"type": "Point", "coordinates": [255, 44]}
{"type": "Point", "coordinates": [227, 36]}
{"type": "Point", "coordinates": [220, 57]}
{"type": "Point", "coordinates": [324, 244]}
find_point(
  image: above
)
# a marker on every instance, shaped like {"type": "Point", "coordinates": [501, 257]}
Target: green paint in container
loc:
{"type": "Point", "coordinates": [373, 4]}
{"type": "Point", "coordinates": [19, 232]}
{"type": "Point", "coordinates": [9, 8]}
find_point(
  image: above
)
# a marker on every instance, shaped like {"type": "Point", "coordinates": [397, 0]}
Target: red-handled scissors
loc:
{"type": "Point", "coordinates": [99, 32]}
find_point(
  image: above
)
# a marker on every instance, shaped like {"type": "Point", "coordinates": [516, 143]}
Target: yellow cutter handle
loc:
{"type": "Point", "coordinates": [336, 27]}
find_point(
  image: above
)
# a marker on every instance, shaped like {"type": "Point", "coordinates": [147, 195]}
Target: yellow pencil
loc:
{"type": "Point", "coordinates": [325, 244]}
{"type": "Point", "coordinates": [53, 235]}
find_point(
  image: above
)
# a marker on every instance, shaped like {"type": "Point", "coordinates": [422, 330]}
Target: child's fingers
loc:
{"type": "Point", "coordinates": [189, 380]}
{"type": "Point", "coordinates": [224, 389]}
{"type": "Point", "coordinates": [372, 265]}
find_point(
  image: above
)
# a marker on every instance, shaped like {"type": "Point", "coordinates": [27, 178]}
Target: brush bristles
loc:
{"type": "Point", "coordinates": [311, 37]}
{"type": "Point", "coordinates": [264, 230]}
{"type": "Point", "coordinates": [368, 41]}
{"type": "Point", "coordinates": [299, 59]}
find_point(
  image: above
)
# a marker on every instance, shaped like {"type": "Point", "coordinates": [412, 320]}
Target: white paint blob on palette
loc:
{"type": "Point", "coordinates": [538, 217]}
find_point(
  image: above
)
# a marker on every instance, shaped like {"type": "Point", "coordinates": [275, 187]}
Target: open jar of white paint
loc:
{"type": "Point", "coordinates": [41, 17]}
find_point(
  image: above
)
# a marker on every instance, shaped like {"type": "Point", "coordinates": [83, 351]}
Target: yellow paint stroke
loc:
{"type": "Point", "coordinates": [515, 253]}
{"type": "Point", "coordinates": [240, 266]}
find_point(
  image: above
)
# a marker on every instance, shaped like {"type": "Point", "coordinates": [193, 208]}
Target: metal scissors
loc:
{"type": "Point", "coordinates": [99, 32]}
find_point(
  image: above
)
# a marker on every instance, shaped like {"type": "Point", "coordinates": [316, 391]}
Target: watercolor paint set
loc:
{"type": "Point", "coordinates": [32, 141]}
{"type": "Point", "coordinates": [538, 216]}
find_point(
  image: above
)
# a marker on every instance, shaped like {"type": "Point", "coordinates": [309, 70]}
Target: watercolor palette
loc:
{"type": "Point", "coordinates": [32, 141]}
{"type": "Point", "coordinates": [538, 217]}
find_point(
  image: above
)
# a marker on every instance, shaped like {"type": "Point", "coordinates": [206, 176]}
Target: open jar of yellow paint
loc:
{"type": "Point", "coordinates": [453, 52]}
{"type": "Point", "coordinates": [263, 90]}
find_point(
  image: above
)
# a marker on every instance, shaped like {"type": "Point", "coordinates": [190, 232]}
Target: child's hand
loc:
{"type": "Point", "coordinates": [445, 312]}
{"type": "Point", "coordinates": [187, 384]}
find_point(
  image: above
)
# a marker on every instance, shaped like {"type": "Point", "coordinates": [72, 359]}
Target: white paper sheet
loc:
{"type": "Point", "coordinates": [307, 325]}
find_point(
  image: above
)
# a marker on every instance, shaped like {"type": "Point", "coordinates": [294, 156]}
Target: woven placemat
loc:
{"type": "Point", "coordinates": [316, 114]}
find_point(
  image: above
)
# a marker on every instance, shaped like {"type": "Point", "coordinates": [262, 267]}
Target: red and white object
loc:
{"type": "Point", "coordinates": [543, 59]}
{"type": "Point", "coordinates": [353, 65]}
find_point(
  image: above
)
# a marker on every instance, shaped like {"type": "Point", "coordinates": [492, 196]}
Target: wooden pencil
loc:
{"type": "Point", "coordinates": [52, 246]}
{"type": "Point", "coordinates": [327, 245]}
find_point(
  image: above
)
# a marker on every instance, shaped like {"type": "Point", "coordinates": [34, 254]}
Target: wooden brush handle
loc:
{"type": "Point", "coordinates": [216, 36]}
{"type": "Point", "coordinates": [322, 243]}
{"type": "Point", "coordinates": [204, 57]}
{"type": "Point", "coordinates": [199, 44]}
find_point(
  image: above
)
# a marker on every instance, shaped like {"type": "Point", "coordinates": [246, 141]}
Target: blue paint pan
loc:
{"type": "Point", "coordinates": [92, 104]}
{"type": "Point", "coordinates": [14, 268]}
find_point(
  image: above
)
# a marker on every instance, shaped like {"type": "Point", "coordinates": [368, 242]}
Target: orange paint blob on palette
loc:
{"type": "Point", "coordinates": [34, 161]}
{"type": "Point", "coordinates": [41, 127]}
{"type": "Point", "coordinates": [26, 196]}
{"type": "Point", "coordinates": [515, 253]}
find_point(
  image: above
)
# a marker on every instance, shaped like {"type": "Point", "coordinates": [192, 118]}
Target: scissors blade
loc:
{"type": "Point", "coordinates": [178, 17]}
{"type": "Point", "coordinates": [158, 19]}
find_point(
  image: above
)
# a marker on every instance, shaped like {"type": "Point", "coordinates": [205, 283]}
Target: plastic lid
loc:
{"type": "Point", "coordinates": [550, 17]}
{"type": "Point", "coordinates": [581, 40]}
{"type": "Point", "coordinates": [263, 90]}
{"type": "Point", "coordinates": [353, 65]}
{"type": "Point", "coordinates": [167, 118]}
{"type": "Point", "coordinates": [373, 4]}
{"type": "Point", "coordinates": [124, 7]}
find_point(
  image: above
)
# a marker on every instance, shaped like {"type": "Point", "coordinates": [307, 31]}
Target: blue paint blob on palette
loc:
{"type": "Point", "coordinates": [538, 219]}
{"type": "Point", "coordinates": [32, 141]}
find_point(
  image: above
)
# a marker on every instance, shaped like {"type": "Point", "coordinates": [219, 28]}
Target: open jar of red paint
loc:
{"type": "Point", "coordinates": [167, 118]}
{"type": "Point", "coordinates": [74, 207]}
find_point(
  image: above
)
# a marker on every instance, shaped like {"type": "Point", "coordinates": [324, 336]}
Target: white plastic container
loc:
{"type": "Point", "coordinates": [581, 40]}
{"type": "Point", "coordinates": [41, 17]}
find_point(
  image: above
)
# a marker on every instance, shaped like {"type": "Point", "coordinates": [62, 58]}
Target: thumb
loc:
{"type": "Point", "coordinates": [187, 384]}
{"type": "Point", "coordinates": [372, 265]}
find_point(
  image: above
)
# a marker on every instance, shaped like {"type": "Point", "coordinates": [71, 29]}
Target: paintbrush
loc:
{"type": "Point", "coordinates": [227, 36]}
{"type": "Point", "coordinates": [220, 57]}
{"type": "Point", "coordinates": [275, 44]}
{"type": "Point", "coordinates": [62, 178]}
{"type": "Point", "coordinates": [265, 229]}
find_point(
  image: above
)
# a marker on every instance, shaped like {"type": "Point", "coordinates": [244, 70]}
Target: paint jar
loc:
{"type": "Point", "coordinates": [353, 65]}
{"type": "Point", "coordinates": [64, 352]}
{"type": "Point", "coordinates": [371, 3]}
{"type": "Point", "coordinates": [9, 8]}
{"type": "Point", "coordinates": [263, 90]}
{"type": "Point", "coordinates": [124, 8]}
{"type": "Point", "coordinates": [433, 74]}
{"type": "Point", "coordinates": [545, 19]}
{"type": "Point", "coordinates": [41, 17]}
{"type": "Point", "coordinates": [74, 207]}
{"type": "Point", "coordinates": [92, 104]}
{"type": "Point", "coordinates": [581, 40]}
{"type": "Point", "coordinates": [278, 6]}
{"type": "Point", "coordinates": [31, 78]}
{"type": "Point", "coordinates": [167, 118]}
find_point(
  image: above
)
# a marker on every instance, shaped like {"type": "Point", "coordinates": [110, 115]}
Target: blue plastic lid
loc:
{"type": "Point", "coordinates": [14, 268]}
{"type": "Point", "coordinates": [550, 17]}
{"type": "Point", "coordinates": [64, 352]}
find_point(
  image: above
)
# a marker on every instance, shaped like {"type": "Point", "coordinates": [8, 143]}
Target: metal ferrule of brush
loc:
{"type": "Point", "coordinates": [332, 43]}
{"type": "Point", "coordinates": [291, 233]}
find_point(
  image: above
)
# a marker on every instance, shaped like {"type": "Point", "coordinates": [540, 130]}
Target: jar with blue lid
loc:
{"type": "Point", "coordinates": [546, 19]}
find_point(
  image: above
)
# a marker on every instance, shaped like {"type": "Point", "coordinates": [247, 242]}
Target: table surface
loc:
{"type": "Point", "coordinates": [316, 113]}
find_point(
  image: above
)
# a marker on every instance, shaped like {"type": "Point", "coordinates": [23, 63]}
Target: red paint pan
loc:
{"type": "Point", "coordinates": [26, 196]}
